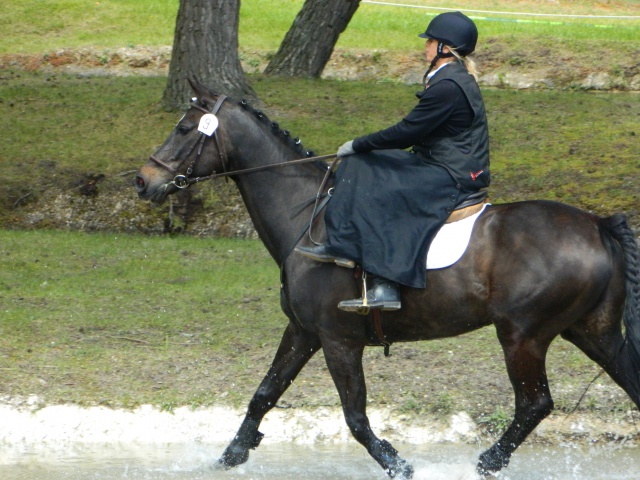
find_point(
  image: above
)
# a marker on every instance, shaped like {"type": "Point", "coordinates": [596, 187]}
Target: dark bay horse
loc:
{"type": "Point", "coordinates": [534, 269]}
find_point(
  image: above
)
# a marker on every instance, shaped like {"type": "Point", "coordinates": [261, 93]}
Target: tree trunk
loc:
{"type": "Point", "coordinates": [309, 43]}
{"type": "Point", "coordinates": [205, 45]}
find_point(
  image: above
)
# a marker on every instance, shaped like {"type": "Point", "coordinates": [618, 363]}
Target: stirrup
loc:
{"type": "Point", "coordinates": [361, 307]}
{"type": "Point", "coordinates": [383, 295]}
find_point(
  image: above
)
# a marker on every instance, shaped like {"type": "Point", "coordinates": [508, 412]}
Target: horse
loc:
{"type": "Point", "coordinates": [535, 270]}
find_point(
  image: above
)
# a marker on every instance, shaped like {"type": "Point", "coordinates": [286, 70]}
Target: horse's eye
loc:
{"type": "Point", "coordinates": [183, 129]}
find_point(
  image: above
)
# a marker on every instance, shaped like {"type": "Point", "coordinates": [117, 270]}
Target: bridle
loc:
{"type": "Point", "coordinates": [183, 181]}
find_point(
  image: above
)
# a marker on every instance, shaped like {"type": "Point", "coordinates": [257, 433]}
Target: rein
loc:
{"type": "Point", "coordinates": [192, 180]}
{"type": "Point", "coordinates": [184, 181]}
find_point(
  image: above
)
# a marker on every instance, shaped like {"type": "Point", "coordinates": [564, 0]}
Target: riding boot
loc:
{"type": "Point", "coordinates": [383, 294]}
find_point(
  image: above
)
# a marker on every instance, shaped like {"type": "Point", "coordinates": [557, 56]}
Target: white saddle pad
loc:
{"type": "Point", "coordinates": [451, 241]}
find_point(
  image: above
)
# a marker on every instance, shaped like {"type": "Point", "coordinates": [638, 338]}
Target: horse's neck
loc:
{"type": "Point", "coordinates": [274, 197]}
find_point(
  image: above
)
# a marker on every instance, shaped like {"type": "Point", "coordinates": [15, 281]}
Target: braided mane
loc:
{"type": "Point", "coordinates": [283, 135]}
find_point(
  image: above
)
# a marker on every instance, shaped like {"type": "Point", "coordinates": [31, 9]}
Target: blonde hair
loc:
{"type": "Point", "coordinates": [468, 63]}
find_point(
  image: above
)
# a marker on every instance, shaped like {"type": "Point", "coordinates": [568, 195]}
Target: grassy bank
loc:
{"type": "Point", "coordinates": [58, 130]}
{"type": "Point", "coordinates": [34, 26]}
{"type": "Point", "coordinates": [124, 320]}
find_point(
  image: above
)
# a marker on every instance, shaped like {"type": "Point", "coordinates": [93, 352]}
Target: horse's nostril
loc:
{"type": "Point", "coordinates": [138, 182]}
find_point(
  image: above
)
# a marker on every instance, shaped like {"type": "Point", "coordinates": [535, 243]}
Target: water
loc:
{"type": "Point", "coordinates": [281, 461]}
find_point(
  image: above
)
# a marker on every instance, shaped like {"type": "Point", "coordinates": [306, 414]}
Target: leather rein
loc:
{"type": "Point", "coordinates": [183, 181]}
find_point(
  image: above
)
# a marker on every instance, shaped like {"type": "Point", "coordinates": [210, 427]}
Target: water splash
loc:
{"type": "Point", "coordinates": [282, 461]}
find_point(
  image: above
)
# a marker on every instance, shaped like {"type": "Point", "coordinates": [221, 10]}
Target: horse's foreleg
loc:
{"type": "Point", "coordinates": [296, 348]}
{"type": "Point", "coordinates": [526, 367]}
{"type": "Point", "coordinates": [345, 365]}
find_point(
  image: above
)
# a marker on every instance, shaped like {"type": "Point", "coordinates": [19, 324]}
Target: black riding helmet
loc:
{"type": "Point", "coordinates": [453, 29]}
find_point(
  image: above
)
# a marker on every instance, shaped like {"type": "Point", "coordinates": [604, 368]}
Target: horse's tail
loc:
{"type": "Point", "coordinates": [616, 225]}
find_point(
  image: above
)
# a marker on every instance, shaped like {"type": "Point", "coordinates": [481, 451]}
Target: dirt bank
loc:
{"type": "Point", "coordinates": [24, 424]}
{"type": "Point", "coordinates": [501, 64]}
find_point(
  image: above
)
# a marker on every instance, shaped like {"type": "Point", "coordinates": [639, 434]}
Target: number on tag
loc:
{"type": "Point", "coordinates": [208, 124]}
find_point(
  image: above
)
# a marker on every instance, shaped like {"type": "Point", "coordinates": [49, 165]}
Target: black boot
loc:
{"type": "Point", "coordinates": [320, 253]}
{"type": "Point", "coordinates": [383, 294]}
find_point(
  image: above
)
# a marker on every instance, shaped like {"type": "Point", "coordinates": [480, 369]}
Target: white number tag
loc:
{"type": "Point", "coordinates": [208, 124]}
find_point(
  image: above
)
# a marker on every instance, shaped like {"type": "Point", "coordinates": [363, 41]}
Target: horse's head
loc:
{"type": "Point", "coordinates": [192, 150]}
{"type": "Point", "coordinates": [215, 138]}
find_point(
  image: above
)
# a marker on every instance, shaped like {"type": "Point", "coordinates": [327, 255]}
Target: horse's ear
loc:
{"type": "Point", "coordinates": [201, 91]}
{"type": "Point", "coordinates": [195, 84]}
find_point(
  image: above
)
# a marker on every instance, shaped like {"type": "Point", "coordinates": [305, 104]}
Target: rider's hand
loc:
{"type": "Point", "coordinates": [346, 149]}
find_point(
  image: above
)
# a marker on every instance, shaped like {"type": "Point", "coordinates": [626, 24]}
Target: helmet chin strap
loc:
{"type": "Point", "coordinates": [440, 54]}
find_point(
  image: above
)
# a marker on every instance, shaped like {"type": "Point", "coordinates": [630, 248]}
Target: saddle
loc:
{"type": "Point", "coordinates": [469, 206]}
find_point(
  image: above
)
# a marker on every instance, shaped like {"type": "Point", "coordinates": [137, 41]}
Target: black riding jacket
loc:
{"type": "Point", "coordinates": [448, 126]}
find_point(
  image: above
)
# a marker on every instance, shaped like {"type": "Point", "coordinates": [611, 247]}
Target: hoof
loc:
{"type": "Point", "coordinates": [402, 470]}
{"type": "Point", "coordinates": [388, 458]}
{"type": "Point", "coordinates": [238, 452]}
{"type": "Point", "coordinates": [232, 457]}
{"type": "Point", "coordinates": [492, 461]}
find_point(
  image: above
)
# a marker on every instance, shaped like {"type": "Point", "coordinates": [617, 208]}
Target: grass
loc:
{"type": "Point", "coordinates": [87, 108]}
{"type": "Point", "coordinates": [113, 319]}
{"type": "Point", "coordinates": [545, 144]}
{"type": "Point", "coordinates": [263, 23]}
{"type": "Point", "coordinates": [124, 320]}
{"type": "Point", "coordinates": [35, 26]}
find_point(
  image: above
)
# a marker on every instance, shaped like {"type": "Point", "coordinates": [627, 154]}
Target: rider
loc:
{"type": "Point", "coordinates": [388, 203]}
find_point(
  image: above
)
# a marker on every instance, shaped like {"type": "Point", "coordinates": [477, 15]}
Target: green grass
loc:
{"type": "Point", "coordinates": [66, 117]}
{"type": "Point", "coordinates": [37, 26]}
{"type": "Point", "coordinates": [112, 318]}
{"type": "Point", "coordinates": [124, 320]}
{"type": "Point", "coordinates": [33, 26]}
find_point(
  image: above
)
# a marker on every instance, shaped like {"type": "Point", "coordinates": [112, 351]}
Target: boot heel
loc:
{"type": "Point", "coordinates": [343, 262]}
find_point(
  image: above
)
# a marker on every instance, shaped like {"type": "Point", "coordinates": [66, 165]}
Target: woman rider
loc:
{"type": "Point", "coordinates": [388, 203]}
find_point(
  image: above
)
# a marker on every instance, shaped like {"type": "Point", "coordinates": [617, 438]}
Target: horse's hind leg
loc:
{"type": "Point", "coordinates": [525, 360]}
{"type": "Point", "coordinates": [296, 348]}
{"type": "Point", "coordinates": [344, 360]}
{"type": "Point", "coordinates": [615, 355]}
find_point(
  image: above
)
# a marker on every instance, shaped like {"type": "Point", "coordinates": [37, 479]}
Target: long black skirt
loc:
{"type": "Point", "coordinates": [386, 208]}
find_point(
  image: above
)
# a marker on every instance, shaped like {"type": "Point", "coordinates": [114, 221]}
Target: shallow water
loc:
{"type": "Point", "coordinates": [296, 462]}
